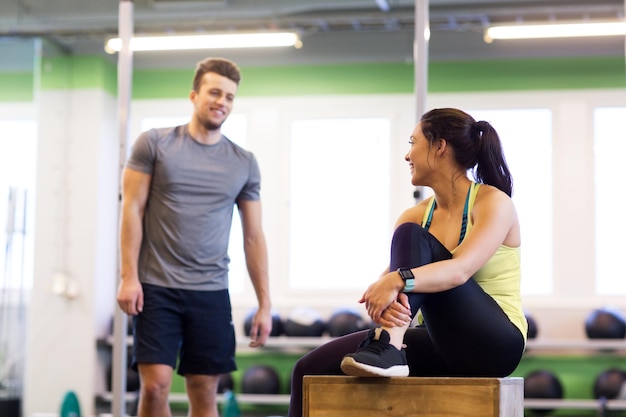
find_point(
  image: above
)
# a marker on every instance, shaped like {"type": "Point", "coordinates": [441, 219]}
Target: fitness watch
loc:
{"type": "Point", "coordinates": [408, 278]}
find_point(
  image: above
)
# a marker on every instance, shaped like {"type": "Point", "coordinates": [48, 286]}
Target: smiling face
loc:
{"type": "Point", "coordinates": [214, 100]}
{"type": "Point", "coordinates": [421, 157]}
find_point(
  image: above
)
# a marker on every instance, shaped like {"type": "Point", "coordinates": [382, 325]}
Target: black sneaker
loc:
{"type": "Point", "coordinates": [376, 357]}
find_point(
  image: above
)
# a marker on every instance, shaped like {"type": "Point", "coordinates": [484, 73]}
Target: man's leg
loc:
{"type": "Point", "coordinates": [156, 380]}
{"type": "Point", "coordinates": [202, 393]}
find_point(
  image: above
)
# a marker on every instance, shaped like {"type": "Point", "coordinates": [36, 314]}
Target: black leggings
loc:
{"type": "Point", "coordinates": [467, 333]}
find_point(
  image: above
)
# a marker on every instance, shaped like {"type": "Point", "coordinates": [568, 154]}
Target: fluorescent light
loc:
{"type": "Point", "coordinates": [212, 41]}
{"type": "Point", "coordinates": [555, 30]}
{"type": "Point", "coordinates": [383, 5]}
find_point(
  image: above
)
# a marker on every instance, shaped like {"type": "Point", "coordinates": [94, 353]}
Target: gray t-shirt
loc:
{"type": "Point", "coordinates": [189, 210]}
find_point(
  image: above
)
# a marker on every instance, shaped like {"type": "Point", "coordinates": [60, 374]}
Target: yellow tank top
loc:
{"type": "Point", "coordinates": [500, 277]}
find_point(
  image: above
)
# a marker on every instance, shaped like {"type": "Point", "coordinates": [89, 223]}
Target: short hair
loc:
{"type": "Point", "coordinates": [221, 66]}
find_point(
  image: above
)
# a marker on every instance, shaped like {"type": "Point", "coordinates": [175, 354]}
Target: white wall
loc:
{"type": "Point", "coordinates": [75, 241]}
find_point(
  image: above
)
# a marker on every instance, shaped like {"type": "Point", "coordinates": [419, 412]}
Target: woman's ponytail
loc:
{"type": "Point", "coordinates": [491, 167]}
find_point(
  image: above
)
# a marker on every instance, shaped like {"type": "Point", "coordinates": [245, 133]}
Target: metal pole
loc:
{"type": "Point", "coordinates": [420, 65]}
{"type": "Point", "coordinates": [124, 83]}
{"type": "Point", "coordinates": [420, 55]}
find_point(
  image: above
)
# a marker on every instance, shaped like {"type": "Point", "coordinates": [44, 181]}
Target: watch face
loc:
{"type": "Point", "coordinates": [406, 273]}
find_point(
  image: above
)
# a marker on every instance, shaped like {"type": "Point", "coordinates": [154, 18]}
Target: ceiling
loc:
{"type": "Point", "coordinates": [331, 30]}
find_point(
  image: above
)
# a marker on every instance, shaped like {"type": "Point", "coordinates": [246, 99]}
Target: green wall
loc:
{"type": "Point", "coordinates": [16, 86]}
{"type": "Point", "coordinates": [78, 72]}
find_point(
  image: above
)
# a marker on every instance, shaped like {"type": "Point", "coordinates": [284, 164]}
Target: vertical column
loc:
{"type": "Point", "coordinates": [124, 88]}
{"type": "Point", "coordinates": [573, 188]}
{"type": "Point", "coordinates": [420, 62]}
{"type": "Point", "coordinates": [420, 55]}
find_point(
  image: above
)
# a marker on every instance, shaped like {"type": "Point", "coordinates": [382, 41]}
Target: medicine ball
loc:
{"type": "Point", "coordinates": [605, 323]}
{"type": "Point", "coordinates": [304, 322]}
{"type": "Point", "coordinates": [542, 384]}
{"type": "Point", "coordinates": [225, 383]}
{"type": "Point", "coordinates": [260, 379]}
{"type": "Point", "coordinates": [345, 321]}
{"type": "Point", "coordinates": [610, 384]}
{"type": "Point", "coordinates": [277, 323]}
{"type": "Point", "coordinates": [532, 326]}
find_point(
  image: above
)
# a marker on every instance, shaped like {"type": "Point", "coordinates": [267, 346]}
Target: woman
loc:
{"type": "Point", "coordinates": [454, 260]}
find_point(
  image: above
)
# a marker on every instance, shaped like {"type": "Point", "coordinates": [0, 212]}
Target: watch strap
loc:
{"type": "Point", "coordinates": [409, 279]}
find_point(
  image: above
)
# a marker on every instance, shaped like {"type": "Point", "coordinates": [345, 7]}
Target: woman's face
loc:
{"type": "Point", "coordinates": [419, 156]}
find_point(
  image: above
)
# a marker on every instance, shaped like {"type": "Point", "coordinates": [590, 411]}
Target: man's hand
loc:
{"type": "Point", "coordinates": [261, 327]}
{"type": "Point", "coordinates": [130, 296]}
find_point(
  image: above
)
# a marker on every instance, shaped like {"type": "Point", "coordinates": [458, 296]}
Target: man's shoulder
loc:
{"type": "Point", "coordinates": [166, 133]}
{"type": "Point", "coordinates": [237, 149]}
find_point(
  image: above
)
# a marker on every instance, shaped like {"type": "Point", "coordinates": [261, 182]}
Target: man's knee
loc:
{"type": "Point", "coordinates": [156, 381]}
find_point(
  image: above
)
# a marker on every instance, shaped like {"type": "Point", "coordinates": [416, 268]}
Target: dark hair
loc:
{"type": "Point", "coordinates": [221, 66]}
{"type": "Point", "coordinates": [476, 145]}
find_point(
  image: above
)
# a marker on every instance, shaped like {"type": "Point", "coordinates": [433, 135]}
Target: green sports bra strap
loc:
{"type": "Point", "coordinates": [465, 215]}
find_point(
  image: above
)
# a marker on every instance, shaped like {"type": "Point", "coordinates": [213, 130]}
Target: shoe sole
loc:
{"type": "Point", "coordinates": [353, 368]}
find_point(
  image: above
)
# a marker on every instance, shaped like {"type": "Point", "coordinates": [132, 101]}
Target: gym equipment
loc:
{"type": "Point", "coordinates": [333, 396]}
{"type": "Point", "coordinates": [230, 407]}
{"type": "Point", "coordinates": [225, 383]}
{"type": "Point", "coordinates": [345, 321]}
{"type": "Point", "coordinates": [542, 383]}
{"type": "Point", "coordinates": [13, 304]}
{"type": "Point", "coordinates": [277, 323]}
{"type": "Point", "coordinates": [610, 384]}
{"type": "Point", "coordinates": [260, 379]}
{"type": "Point", "coordinates": [10, 407]}
{"type": "Point", "coordinates": [605, 323]}
{"type": "Point", "coordinates": [532, 326]}
{"type": "Point", "coordinates": [304, 322]}
{"type": "Point", "coordinates": [70, 407]}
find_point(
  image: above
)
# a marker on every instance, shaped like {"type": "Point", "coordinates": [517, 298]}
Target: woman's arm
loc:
{"type": "Point", "coordinates": [494, 222]}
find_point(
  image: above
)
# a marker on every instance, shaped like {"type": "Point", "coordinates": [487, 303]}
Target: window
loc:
{"type": "Point", "coordinates": [235, 128]}
{"type": "Point", "coordinates": [18, 162]}
{"type": "Point", "coordinates": [339, 202]}
{"type": "Point", "coordinates": [532, 183]}
{"type": "Point", "coordinates": [610, 228]}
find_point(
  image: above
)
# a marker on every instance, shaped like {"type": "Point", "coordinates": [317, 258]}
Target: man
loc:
{"type": "Point", "coordinates": [180, 186]}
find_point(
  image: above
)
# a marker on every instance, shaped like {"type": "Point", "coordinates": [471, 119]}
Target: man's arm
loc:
{"type": "Point", "coordinates": [136, 187]}
{"type": "Point", "coordinates": [255, 249]}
